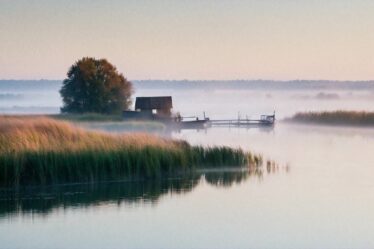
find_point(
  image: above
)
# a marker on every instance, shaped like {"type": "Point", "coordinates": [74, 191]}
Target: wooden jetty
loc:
{"type": "Point", "coordinates": [265, 120]}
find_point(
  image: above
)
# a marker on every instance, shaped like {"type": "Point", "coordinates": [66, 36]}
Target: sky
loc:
{"type": "Point", "coordinates": [190, 39]}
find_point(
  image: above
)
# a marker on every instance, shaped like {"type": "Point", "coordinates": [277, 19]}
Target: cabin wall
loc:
{"type": "Point", "coordinates": [143, 115]}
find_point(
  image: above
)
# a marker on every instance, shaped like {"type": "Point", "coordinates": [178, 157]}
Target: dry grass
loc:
{"type": "Point", "coordinates": [18, 134]}
{"type": "Point", "coordinates": [40, 150]}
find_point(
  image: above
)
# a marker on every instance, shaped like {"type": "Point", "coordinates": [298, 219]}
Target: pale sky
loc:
{"type": "Point", "coordinates": [190, 39]}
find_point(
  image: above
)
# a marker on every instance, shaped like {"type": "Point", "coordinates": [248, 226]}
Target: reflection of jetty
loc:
{"type": "Point", "coordinates": [159, 109]}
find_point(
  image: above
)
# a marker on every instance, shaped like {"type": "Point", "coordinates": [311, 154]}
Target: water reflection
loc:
{"type": "Point", "coordinates": [227, 178]}
{"type": "Point", "coordinates": [44, 200]}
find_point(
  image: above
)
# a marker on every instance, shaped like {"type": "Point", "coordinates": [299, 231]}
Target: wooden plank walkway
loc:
{"type": "Point", "coordinates": [264, 120]}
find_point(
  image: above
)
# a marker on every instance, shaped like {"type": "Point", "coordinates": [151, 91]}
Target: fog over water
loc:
{"type": "Point", "coordinates": [320, 195]}
{"type": "Point", "coordinates": [216, 98]}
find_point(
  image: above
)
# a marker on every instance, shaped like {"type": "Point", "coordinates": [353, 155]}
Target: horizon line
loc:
{"type": "Point", "coordinates": [216, 80]}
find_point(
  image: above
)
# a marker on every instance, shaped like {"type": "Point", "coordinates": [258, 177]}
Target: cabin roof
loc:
{"type": "Point", "coordinates": [150, 103]}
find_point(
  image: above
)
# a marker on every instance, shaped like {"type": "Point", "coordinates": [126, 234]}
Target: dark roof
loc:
{"type": "Point", "coordinates": [149, 103]}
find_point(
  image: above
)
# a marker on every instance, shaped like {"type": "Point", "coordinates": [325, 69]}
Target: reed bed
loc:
{"type": "Point", "coordinates": [40, 150]}
{"type": "Point", "coordinates": [86, 117]}
{"type": "Point", "coordinates": [124, 126]}
{"type": "Point", "coordinates": [112, 122]}
{"type": "Point", "coordinates": [352, 118]}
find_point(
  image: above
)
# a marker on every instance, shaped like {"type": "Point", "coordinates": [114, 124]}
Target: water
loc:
{"type": "Point", "coordinates": [320, 195]}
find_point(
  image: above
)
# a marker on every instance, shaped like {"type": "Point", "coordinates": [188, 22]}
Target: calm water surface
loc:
{"type": "Point", "coordinates": [320, 196]}
{"type": "Point", "coordinates": [323, 199]}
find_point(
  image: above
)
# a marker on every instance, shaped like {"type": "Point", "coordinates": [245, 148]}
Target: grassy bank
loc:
{"type": "Point", "coordinates": [87, 117]}
{"type": "Point", "coordinates": [125, 126]}
{"type": "Point", "coordinates": [351, 118]}
{"type": "Point", "coordinates": [113, 123]}
{"type": "Point", "coordinates": [37, 150]}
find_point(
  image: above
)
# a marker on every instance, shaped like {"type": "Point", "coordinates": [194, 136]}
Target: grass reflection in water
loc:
{"type": "Point", "coordinates": [44, 200]}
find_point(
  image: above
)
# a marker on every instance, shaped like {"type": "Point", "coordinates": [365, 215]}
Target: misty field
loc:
{"type": "Point", "coordinates": [353, 118]}
{"type": "Point", "coordinates": [87, 117]}
{"type": "Point", "coordinates": [40, 150]}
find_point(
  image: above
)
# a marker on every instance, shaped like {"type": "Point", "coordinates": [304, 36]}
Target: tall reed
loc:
{"type": "Point", "coordinates": [46, 151]}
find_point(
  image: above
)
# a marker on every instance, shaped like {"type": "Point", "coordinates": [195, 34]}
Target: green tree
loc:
{"type": "Point", "coordinates": [95, 86]}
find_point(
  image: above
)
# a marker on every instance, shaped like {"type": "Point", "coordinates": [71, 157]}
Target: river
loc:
{"type": "Point", "coordinates": [319, 195]}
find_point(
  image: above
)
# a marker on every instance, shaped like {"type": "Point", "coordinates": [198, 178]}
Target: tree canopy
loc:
{"type": "Point", "coordinates": [95, 86]}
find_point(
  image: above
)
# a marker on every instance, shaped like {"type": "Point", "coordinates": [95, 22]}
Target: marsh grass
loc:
{"type": "Point", "coordinates": [38, 150]}
{"type": "Point", "coordinates": [86, 117]}
{"type": "Point", "coordinates": [113, 122]}
{"type": "Point", "coordinates": [124, 126]}
{"type": "Point", "coordinates": [352, 118]}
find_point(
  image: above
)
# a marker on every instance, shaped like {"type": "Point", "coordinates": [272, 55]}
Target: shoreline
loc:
{"type": "Point", "coordinates": [43, 151]}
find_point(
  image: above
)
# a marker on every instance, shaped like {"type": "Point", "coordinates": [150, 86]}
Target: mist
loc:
{"type": "Point", "coordinates": [218, 99]}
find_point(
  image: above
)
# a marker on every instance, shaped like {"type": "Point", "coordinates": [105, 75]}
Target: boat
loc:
{"type": "Point", "coordinates": [195, 124]}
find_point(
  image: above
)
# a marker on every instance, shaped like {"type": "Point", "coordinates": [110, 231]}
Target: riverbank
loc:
{"type": "Point", "coordinates": [40, 151]}
{"type": "Point", "coordinates": [101, 122]}
{"type": "Point", "coordinates": [87, 117]}
{"type": "Point", "coordinates": [112, 123]}
{"type": "Point", "coordinates": [341, 118]}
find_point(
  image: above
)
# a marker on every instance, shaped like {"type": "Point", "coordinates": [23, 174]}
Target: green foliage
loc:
{"type": "Point", "coordinates": [59, 167]}
{"type": "Point", "coordinates": [95, 86]}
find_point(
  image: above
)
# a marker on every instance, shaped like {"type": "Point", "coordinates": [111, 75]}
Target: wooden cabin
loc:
{"type": "Point", "coordinates": [151, 108]}
{"type": "Point", "coordinates": [160, 106]}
